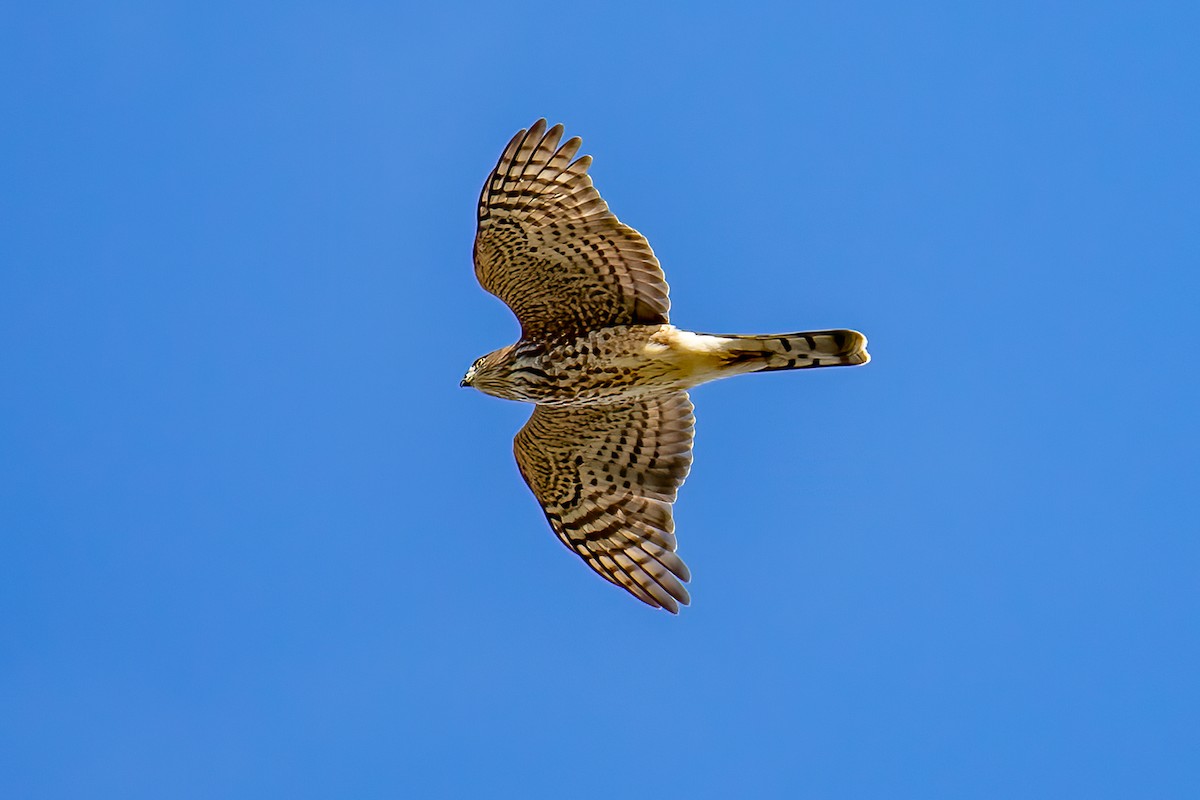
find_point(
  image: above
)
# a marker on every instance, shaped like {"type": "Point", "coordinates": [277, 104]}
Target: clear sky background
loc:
{"type": "Point", "coordinates": [255, 541]}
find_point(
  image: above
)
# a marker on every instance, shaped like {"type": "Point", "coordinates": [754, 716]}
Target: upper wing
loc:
{"type": "Point", "coordinates": [548, 246]}
{"type": "Point", "coordinates": [606, 477]}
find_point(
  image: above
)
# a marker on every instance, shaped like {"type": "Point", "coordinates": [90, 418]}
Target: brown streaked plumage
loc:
{"type": "Point", "coordinates": [606, 476]}
{"type": "Point", "coordinates": [610, 440]}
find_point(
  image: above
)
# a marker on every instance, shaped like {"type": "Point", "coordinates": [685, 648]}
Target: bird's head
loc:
{"type": "Point", "coordinates": [490, 374]}
{"type": "Point", "coordinates": [503, 372]}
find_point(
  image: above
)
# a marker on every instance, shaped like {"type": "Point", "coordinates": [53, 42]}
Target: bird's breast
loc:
{"type": "Point", "coordinates": [618, 363]}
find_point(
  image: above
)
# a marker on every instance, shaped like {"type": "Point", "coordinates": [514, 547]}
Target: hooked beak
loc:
{"type": "Point", "coordinates": [464, 381]}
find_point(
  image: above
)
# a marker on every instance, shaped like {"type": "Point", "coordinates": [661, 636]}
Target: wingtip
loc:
{"type": "Point", "coordinates": [679, 603]}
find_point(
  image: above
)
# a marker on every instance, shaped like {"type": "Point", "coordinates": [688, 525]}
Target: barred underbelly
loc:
{"type": "Point", "coordinates": [609, 365]}
{"type": "Point", "coordinates": [604, 366]}
{"type": "Point", "coordinates": [592, 389]}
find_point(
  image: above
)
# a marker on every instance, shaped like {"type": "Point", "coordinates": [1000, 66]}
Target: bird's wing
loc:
{"type": "Point", "coordinates": [606, 476]}
{"type": "Point", "coordinates": [548, 246]}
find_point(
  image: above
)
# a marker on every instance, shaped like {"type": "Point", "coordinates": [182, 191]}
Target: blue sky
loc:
{"type": "Point", "coordinates": [258, 543]}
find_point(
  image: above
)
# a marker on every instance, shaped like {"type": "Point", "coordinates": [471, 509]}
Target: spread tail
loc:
{"type": "Point", "coordinates": [778, 351]}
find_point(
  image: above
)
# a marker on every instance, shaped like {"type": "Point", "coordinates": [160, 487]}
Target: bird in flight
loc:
{"type": "Point", "coordinates": [609, 442]}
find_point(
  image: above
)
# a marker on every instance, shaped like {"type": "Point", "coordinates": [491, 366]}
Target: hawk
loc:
{"type": "Point", "coordinates": [609, 442]}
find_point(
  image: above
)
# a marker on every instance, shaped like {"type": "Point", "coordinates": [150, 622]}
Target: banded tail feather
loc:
{"type": "Point", "coordinates": [804, 350]}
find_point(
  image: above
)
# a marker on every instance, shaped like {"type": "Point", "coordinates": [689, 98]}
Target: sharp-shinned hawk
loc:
{"type": "Point", "coordinates": [610, 439]}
